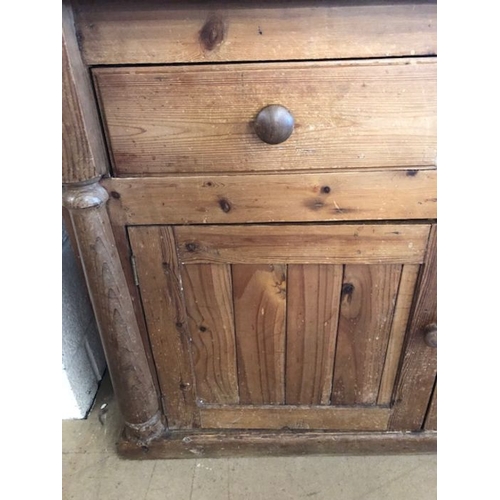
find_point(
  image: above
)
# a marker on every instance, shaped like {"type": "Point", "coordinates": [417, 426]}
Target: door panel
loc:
{"type": "Point", "coordinates": [313, 298]}
{"type": "Point", "coordinates": [398, 328]}
{"type": "Point", "coordinates": [209, 307]}
{"type": "Point", "coordinates": [259, 293]}
{"type": "Point", "coordinates": [313, 341]}
{"type": "Point", "coordinates": [368, 299]}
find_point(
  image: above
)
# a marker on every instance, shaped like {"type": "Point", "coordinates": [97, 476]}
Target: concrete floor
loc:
{"type": "Point", "coordinates": [93, 471]}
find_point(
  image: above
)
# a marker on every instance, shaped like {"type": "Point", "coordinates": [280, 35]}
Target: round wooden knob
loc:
{"type": "Point", "coordinates": [431, 335]}
{"type": "Point", "coordinates": [274, 124]}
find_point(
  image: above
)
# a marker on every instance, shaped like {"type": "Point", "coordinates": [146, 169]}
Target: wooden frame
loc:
{"type": "Point", "coordinates": [101, 209]}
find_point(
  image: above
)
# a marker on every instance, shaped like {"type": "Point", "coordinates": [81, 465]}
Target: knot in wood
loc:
{"type": "Point", "coordinates": [212, 33]}
{"type": "Point", "coordinates": [225, 205]}
{"type": "Point", "coordinates": [347, 289]}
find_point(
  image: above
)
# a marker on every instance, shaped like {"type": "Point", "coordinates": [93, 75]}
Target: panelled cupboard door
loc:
{"type": "Point", "coordinates": [287, 326]}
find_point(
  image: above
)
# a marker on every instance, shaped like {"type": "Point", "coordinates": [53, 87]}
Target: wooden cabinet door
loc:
{"type": "Point", "coordinates": [288, 326]}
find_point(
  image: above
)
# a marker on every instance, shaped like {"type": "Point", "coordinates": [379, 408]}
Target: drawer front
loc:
{"type": "Point", "coordinates": [193, 119]}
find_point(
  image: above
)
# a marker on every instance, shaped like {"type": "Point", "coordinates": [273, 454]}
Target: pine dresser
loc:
{"type": "Point", "coordinates": [252, 188]}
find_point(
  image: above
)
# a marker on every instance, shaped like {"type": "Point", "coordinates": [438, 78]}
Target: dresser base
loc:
{"type": "Point", "coordinates": [218, 444]}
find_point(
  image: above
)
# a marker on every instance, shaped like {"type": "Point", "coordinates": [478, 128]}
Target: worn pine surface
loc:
{"type": "Point", "coordinates": [195, 119]}
{"type": "Point", "coordinates": [418, 371]}
{"type": "Point", "coordinates": [431, 418]}
{"type": "Point", "coordinates": [369, 115]}
{"type": "Point", "coordinates": [406, 291]}
{"type": "Point", "coordinates": [128, 365]}
{"type": "Point", "coordinates": [259, 293]}
{"type": "Point", "coordinates": [83, 150]}
{"type": "Point", "coordinates": [163, 302]}
{"type": "Point", "coordinates": [266, 335]}
{"type": "Point", "coordinates": [366, 310]}
{"type": "Point", "coordinates": [313, 298]}
{"type": "Point", "coordinates": [293, 417]}
{"type": "Point", "coordinates": [155, 32]}
{"type": "Point", "coordinates": [121, 240]}
{"type": "Point", "coordinates": [265, 443]}
{"type": "Point", "coordinates": [305, 244]}
{"type": "Point", "coordinates": [243, 198]}
{"type": "Point", "coordinates": [209, 305]}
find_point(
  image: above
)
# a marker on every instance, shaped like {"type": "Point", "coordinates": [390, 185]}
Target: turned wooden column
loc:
{"type": "Point", "coordinates": [84, 162]}
{"type": "Point", "coordinates": [127, 362]}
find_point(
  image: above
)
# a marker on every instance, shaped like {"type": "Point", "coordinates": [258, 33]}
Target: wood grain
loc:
{"type": "Point", "coordinates": [419, 366]}
{"type": "Point", "coordinates": [337, 196]}
{"type": "Point", "coordinates": [161, 291]}
{"type": "Point", "coordinates": [366, 311]}
{"type": "Point", "coordinates": [83, 150]}
{"type": "Point", "coordinates": [304, 244]}
{"type": "Point", "coordinates": [121, 239]}
{"type": "Point", "coordinates": [209, 306]}
{"type": "Point", "coordinates": [431, 418]}
{"type": "Point", "coordinates": [295, 417]}
{"type": "Point", "coordinates": [125, 32]}
{"type": "Point", "coordinates": [313, 299]}
{"type": "Point", "coordinates": [234, 443]}
{"type": "Point", "coordinates": [259, 293]}
{"type": "Point", "coordinates": [132, 380]}
{"type": "Point", "coordinates": [398, 329]}
{"type": "Point", "coordinates": [122, 243]}
{"type": "Point", "coordinates": [163, 120]}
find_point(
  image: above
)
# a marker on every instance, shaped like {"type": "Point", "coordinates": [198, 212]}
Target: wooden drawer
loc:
{"type": "Point", "coordinates": [194, 119]}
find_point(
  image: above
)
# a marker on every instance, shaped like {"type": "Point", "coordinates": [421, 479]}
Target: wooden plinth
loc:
{"type": "Point", "coordinates": [215, 444]}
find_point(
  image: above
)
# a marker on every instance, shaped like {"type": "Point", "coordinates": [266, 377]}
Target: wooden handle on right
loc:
{"type": "Point", "coordinates": [430, 335]}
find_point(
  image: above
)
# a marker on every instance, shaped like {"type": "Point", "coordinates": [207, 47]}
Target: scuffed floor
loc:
{"type": "Point", "coordinates": [93, 471]}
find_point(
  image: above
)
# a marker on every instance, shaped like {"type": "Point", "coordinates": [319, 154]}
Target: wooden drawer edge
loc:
{"type": "Point", "coordinates": [157, 33]}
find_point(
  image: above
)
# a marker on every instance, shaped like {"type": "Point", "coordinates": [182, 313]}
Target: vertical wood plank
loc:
{"type": "Point", "coordinates": [122, 242]}
{"type": "Point", "coordinates": [161, 291]}
{"type": "Point", "coordinates": [209, 306]}
{"type": "Point", "coordinates": [398, 330]}
{"type": "Point", "coordinates": [260, 306]}
{"type": "Point", "coordinates": [419, 367]}
{"type": "Point", "coordinates": [368, 299]}
{"type": "Point", "coordinates": [431, 419]}
{"type": "Point", "coordinates": [313, 297]}
{"type": "Point", "coordinates": [123, 247]}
